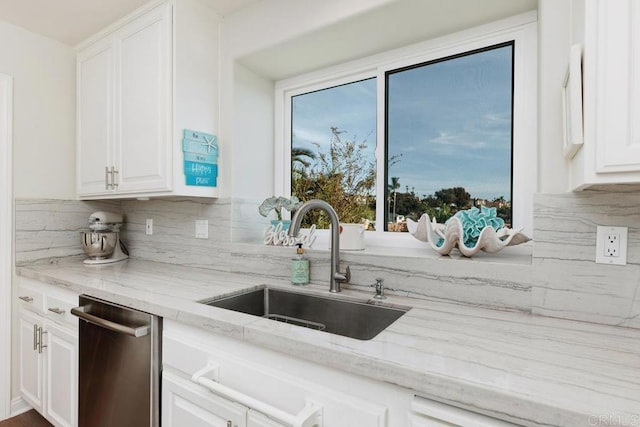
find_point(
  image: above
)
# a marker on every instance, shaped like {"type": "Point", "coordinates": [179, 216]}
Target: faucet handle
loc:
{"type": "Point", "coordinates": [344, 277]}
{"type": "Point", "coordinates": [379, 285]}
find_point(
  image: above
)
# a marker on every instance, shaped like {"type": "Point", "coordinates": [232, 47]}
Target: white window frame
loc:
{"type": "Point", "coordinates": [522, 29]}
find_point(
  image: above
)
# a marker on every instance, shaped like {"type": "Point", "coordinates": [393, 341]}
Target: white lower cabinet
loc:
{"type": "Point", "coordinates": [48, 352]}
{"type": "Point", "coordinates": [31, 366]}
{"type": "Point", "coordinates": [61, 375]}
{"type": "Point", "coordinates": [273, 389]}
{"type": "Point", "coordinates": [187, 404]}
{"type": "Point", "coordinates": [214, 380]}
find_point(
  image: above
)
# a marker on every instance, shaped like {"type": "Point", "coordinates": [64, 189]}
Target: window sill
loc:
{"type": "Point", "coordinates": [404, 245]}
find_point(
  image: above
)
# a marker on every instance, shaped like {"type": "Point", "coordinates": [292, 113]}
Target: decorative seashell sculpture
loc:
{"type": "Point", "coordinates": [470, 231]}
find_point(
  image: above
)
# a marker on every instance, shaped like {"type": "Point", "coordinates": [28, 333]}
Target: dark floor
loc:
{"type": "Point", "coordinates": [28, 419]}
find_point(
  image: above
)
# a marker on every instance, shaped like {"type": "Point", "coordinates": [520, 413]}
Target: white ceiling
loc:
{"type": "Point", "coordinates": [71, 21]}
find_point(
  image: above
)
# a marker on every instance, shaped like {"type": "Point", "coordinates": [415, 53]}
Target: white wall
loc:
{"type": "Point", "coordinates": [554, 30]}
{"type": "Point", "coordinates": [43, 72]}
{"type": "Point", "coordinates": [44, 113]}
{"type": "Point", "coordinates": [253, 133]}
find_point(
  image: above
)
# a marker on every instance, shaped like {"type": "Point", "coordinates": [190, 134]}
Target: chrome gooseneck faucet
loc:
{"type": "Point", "coordinates": [336, 276]}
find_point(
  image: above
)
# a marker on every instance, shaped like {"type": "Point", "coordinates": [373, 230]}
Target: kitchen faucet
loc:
{"type": "Point", "coordinates": [336, 276]}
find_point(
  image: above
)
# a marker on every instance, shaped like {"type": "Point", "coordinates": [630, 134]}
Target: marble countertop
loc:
{"type": "Point", "coordinates": [532, 370]}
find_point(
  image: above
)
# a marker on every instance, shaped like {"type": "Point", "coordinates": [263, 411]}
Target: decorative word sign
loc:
{"type": "Point", "coordinates": [276, 236]}
{"type": "Point", "coordinates": [200, 158]}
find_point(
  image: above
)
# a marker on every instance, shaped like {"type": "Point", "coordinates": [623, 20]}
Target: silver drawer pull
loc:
{"type": "Point", "coordinates": [40, 345]}
{"type": "Point", "coordinates": [27, 299]}
{"type": "Point", "coordinates": [56, 310]}
{"type": "Point", "coordinates": [114, 177]}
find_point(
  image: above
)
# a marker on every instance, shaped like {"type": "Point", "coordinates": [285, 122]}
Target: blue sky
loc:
{"type": "Point", "coordinates": [450, 120]}
{"type": "Point", "coordinates": [351, 108]}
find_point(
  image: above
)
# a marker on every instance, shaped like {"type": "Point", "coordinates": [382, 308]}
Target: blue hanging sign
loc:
{"type": "Point", "coordinates": [206, 148]}
{"type": "Point", "coordinates": [198, 136]}
{"type": "Point", "coordinates": [202, 181]}
{"type": "Point", "coordinates": [200, 169]}
{"type": "Point", "coordinates": [200, 158]}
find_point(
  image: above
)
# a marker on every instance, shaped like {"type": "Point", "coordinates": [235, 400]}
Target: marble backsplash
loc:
{"type": "Point", "coordinates": [49, 229]}
{"type": "Point", "coordinates": [560, 279]}
{"type": "Point", "coordinates": [234, 247]}
{"type": "Point", "coordinates": [567, 282]}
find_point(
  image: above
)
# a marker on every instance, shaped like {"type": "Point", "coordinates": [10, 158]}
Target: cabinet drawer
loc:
{"type": "Point", "coordinates": [30, 298]}
{"type": "Point", "coordinates": [53, 301]}
{"type": "Point", "coordinates": [59, 309]}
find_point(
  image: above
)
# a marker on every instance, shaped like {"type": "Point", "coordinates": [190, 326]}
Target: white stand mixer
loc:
{"type": "Point", "coordinates": [102, 244]}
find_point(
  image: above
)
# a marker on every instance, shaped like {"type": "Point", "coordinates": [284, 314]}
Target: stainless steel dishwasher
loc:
{"type": "Point", "coordinates": [119, 374]}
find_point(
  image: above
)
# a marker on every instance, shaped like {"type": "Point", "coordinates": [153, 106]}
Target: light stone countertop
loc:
{"type": "Point", "coordinates": [531, 370]}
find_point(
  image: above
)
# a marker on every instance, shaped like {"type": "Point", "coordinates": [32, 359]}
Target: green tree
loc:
{"type": "Point", "coordinates": [341, 176]}
{"type": "Point", "coordinates": [409, 205]}
{"type": "Point", "coordinates": [301, 158]}
{"type": "Point", "coordinates": [456, 196]}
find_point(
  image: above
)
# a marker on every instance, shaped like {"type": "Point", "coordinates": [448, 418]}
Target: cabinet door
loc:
{"type": "Point", "coordinates": [617, 96]}
{"type": "Point", "coordinates": [61, 355]}
{"type": "Point", "coordinates": [144, 87]}
{"type": "Point", "coordinates": [187, 404]}
{"type": "Point", "coordinates": [31, 375]}
{"type": "Point", "coordinates": [95, 67]}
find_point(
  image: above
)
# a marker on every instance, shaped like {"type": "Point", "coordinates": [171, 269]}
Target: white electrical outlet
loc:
{"type": "Point", "coordinates": [149, 226]}
{"type": "Point", "coordinates": [202, 229]}
{"type": "Point", "coordinates": [611, 245]}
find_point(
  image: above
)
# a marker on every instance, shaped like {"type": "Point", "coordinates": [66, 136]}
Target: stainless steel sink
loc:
{"type": "Point", "coordinates": [358, 320]}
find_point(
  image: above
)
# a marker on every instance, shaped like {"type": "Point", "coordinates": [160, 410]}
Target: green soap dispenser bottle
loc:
{"type": "Point", "coordinates": [300, 267]}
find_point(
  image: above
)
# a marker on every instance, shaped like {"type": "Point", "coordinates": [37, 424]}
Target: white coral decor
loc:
{"type": "Point", "coordinates": [471, 231]}
{"type": "Point", "coordinates": [277, 203]}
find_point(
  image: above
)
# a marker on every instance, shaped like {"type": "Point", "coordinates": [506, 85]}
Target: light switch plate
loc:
{"type": "Point", "coordinates": [202, 229]}
{"type": "Point", "coordinates": [149, 226]}
{"type": "Point", "coordinates": [611, 245]}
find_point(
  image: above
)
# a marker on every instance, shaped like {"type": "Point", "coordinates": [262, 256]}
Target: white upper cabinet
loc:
{"type": "Point", "coordinates": [611, 72]}
{"type": "Point", "coordinates": [95, 116]}
{"type": "Point", "coordinates": [143, 113]}
{"type": "Point", "coordinates": [139, 86]}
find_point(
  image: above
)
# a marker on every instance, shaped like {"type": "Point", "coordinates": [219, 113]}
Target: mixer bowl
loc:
{"type": "Point", "coordinates": [98, 244]}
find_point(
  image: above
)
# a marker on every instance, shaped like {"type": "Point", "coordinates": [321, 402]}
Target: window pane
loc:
{"type": "Point", "coordinates": [449, 136]}
{"type": "Point", "coordinates": [333, 144]}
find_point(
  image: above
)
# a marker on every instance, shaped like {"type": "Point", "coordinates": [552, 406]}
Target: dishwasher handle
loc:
{"type": "Point", "coordinates": [138, 332]}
